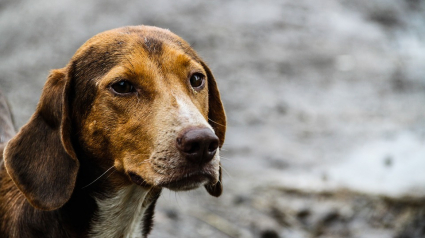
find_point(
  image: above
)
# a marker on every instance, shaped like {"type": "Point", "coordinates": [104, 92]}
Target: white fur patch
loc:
{"type": "Point", "coordinates": [121, 215]}
{"type": "Point", "coordinates": [190, 115]}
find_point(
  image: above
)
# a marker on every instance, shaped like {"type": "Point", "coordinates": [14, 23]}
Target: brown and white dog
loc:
{"type": "Point", "coordinates": [134, 111]}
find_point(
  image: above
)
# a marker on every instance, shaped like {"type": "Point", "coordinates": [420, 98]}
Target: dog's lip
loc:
{"type": "Point", "coordinates": [184, 179]}
{"type": "Point", "coordinates": [137, 179]}
{"type": "Point", "coordinates": [188, 181]}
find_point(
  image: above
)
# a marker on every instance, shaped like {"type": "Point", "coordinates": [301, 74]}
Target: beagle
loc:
{"type": "Point", "coordinates": [134, 111]}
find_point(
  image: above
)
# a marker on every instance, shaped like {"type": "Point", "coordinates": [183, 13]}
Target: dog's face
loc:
{"type": "Point", "coordinates": [153, 94]}
{"type": "Point", "coordinates": [136, 98]}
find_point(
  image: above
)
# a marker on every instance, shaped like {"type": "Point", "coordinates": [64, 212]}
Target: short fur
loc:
{"type": "Point", "coordinates": [88, 153]}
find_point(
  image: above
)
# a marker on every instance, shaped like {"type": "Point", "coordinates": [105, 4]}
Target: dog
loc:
{"type": "Point", "coordinates": [134, 111]}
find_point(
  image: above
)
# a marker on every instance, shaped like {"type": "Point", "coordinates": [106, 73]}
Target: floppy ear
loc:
{"type": "Point", "coordinates": [216, 114]}
{"type": "Point", "coordinates": [40, 158]}
{"type": "Point", "coordinates": [217, 119]}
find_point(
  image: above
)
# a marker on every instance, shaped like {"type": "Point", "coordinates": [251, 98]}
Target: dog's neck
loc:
{"type": "Point", "coordinates": [128, 213]}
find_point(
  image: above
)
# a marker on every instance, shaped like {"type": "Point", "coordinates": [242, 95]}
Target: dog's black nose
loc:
{"type": "Point", "coordinates": [198, 145]}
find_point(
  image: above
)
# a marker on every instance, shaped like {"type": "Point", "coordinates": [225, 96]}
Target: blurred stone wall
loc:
{"type": "Point", "coordinates": [320, 95]}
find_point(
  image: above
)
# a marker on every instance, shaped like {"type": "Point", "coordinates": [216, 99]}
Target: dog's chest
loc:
{"type": "Point", "coordinates": [120, 215]}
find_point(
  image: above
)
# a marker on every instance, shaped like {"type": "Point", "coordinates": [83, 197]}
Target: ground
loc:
{"type": "Point", "coordinates": [325, 102]}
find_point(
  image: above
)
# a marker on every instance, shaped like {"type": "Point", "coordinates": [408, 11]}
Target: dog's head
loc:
{"type": "Point", "coordinates": [136, 98]}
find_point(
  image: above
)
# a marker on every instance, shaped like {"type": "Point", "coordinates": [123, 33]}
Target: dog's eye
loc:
{"type": "Point", "coordinates": [122, 87]}
{"type": "Point", "coordinates": [197, 80]}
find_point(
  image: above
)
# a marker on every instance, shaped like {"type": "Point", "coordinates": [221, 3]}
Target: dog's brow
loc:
{"type": "Point", "coordinates": [132, 70]}
{"type": "Point", "coordinates": [129, 61]}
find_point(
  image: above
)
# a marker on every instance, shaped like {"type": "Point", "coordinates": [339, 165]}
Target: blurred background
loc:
{"type": "Point", "coordinates": [325, 103]}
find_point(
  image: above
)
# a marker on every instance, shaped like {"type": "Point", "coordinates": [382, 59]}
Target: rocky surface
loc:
{"type": "Point", "coordinates": [325, 99]}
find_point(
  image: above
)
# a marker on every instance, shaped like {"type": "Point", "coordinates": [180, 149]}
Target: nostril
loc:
{"type": "Point", "coordinates": [213, 146]}
{"type": "Point", "coordinates": [192, 148]}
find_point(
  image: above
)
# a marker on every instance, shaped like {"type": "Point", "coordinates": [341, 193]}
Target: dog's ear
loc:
{"type": "Point", "coordinates": [40, 158]}
{"type": "Point", "coordinates": [216, 114]}
{"type": "Point", "coordinates": [217, 119]}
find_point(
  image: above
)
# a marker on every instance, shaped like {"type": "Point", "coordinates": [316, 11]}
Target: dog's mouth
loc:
{"type": "Point", "coordinates": [181, 181]}
{"type": "Point", "coordinates": [188, 181]}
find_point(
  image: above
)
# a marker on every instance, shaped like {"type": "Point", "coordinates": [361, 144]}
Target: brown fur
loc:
{"type": "Point", "coordinates": [81, 128]}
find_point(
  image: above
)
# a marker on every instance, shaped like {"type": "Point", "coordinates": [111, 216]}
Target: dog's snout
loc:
{"type": "Point", "coordinates": [198, 145]}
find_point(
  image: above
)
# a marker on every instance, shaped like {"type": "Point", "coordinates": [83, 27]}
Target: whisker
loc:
{"type": "Point", "coordinates": [216, 122]}
{"type": "Point", "coordinates": [145, 161]}
{"type": "Point", "coordinates": [110, 174]}
{"type": "Point", "coordinates": [98, 177]}
{"type": "Point", "coordinates": [224, 157]}
{"type": "Point", "coordinates": [227, 172]}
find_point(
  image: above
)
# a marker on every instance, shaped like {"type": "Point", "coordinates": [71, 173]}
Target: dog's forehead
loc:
{"type": "Point", "coordinates": [124, 40]}
{"type": "Point", "coordinates": [110, 48]}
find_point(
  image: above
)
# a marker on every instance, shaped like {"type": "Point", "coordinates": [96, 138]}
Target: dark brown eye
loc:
{"type": "Point", "coordinates": [197, 80]}
{"type": "Point", "coordinates": [122, 87]}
